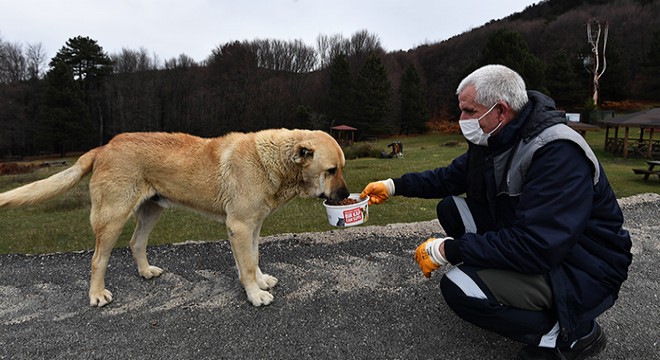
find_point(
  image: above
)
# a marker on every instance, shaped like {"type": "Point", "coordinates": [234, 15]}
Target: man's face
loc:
{"type": "Point", "coordinates": [470, 109]}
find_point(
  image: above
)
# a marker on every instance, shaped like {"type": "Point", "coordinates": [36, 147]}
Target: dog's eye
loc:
{"type": "Point", "coordinates": [332, 171]}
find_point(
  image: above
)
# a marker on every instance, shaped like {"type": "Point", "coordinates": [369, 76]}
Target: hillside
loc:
{"type": "Point", "coordinates": [550, 27]}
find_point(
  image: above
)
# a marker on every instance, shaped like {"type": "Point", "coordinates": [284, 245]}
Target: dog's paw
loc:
{"type": "Point", "coordinates": [266, 282]}
{"type": "Point", "coordinates": [151, 272]}
{"type": "Point", "coordinates": [260, 297]}
{"type": "Point", "coordinates": [102, 298]}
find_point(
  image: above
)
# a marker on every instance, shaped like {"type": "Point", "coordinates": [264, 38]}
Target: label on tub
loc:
{"type": "Point", "coordinates": [352, 215]}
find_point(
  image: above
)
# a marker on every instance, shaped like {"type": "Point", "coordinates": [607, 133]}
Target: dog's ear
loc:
{"type": "Point", "coordinates": [302, 153]}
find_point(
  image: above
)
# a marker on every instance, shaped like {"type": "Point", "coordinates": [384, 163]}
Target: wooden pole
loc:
{"type": "Point", "coordinates": [625, 144]}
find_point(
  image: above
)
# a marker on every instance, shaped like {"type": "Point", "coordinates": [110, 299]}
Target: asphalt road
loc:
{"type": "Point", "coordinates": [347, 294]}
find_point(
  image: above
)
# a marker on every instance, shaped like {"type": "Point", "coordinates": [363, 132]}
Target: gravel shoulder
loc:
{"type": "Point", "coordinates": [349, 293]}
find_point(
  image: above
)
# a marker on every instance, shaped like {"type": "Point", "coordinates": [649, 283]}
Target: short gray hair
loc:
{"type": "Point", "coordinates": [494, 83]}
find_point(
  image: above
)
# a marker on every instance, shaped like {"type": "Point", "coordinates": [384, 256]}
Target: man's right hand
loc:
{"type": "Point", "coordinates": [378, 191]}
{"type": "Point", "coordinates": [429, 256]}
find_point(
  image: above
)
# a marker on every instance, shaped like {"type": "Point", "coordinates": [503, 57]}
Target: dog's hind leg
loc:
{"type": "Point", "coordinates": [240, 238]}
{"type": "Point", "coordinates": [106, 237]}
{"type": "Point", "coordinates": [264, 281]}
{"type": "Point", "coordinates": [109, 213]}
{"type": "Point", "coordinates": [147, 215]}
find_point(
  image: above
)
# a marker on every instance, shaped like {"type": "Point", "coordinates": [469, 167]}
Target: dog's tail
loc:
{"type": "Point", "coordinates": [42, 190]}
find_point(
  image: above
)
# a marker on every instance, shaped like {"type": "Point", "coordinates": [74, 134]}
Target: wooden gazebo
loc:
{"type": "Point", "coordinates": [344, 134]}
{"type": "Point", "coordinates": [647, 121]}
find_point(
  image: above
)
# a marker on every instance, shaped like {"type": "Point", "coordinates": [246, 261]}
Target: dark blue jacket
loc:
{"type": "Point", "coordinates": [561, 224]}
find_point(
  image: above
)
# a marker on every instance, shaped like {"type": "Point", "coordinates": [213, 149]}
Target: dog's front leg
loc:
{"type": "Point", "coordinates": [240, 238]}
{"type": "Point", "coordinates": [264, 281]}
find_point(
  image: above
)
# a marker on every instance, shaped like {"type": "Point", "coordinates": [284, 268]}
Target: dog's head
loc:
{"type": "Point", "coordinates": [322, 162]}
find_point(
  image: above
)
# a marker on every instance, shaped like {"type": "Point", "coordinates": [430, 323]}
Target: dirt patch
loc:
{"type": "Point", "coordinates": [16, 168]}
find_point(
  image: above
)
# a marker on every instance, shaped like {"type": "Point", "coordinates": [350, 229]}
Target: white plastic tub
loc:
{"type": "Point", "coordinates": [348, 215]}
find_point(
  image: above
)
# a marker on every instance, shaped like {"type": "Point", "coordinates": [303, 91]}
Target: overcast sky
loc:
{"type": "Point", "coordinates": [168, 28]}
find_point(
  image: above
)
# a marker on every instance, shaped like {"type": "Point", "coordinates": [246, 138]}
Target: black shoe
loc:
{"type": "Point", "coordinates": [585, 347]}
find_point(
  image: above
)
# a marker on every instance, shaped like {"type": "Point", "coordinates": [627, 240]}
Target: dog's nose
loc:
{"type": "Point", "coordinates": [340, 194]}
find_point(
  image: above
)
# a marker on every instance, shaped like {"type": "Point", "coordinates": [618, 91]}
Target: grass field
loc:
{"type": "Point", "coordinates": [62, 224]}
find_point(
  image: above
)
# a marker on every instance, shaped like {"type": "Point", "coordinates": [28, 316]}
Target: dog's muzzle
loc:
{"type": "Point", "coordinates": [337, 195]}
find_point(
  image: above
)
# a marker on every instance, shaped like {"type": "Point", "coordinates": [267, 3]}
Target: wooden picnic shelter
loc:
{"type": "Point", "coordinates": [582, 128]}
{"type": "Point", "coordinates": [623, 144]}
{"type": "Point", "coordinates": [344, 134]}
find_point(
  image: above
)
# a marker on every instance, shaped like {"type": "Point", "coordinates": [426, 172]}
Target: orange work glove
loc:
{"type": "Point", "coordinates": [378, 191]}
{"type": "Point", "coordinates": [428, 255]}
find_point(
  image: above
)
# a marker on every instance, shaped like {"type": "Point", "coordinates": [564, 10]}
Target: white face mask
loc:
{"type": "Point", "coordinates": [473, 132]}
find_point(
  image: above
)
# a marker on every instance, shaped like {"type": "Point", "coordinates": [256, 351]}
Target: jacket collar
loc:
{"type": "Point", "coordinates": [537, 115]}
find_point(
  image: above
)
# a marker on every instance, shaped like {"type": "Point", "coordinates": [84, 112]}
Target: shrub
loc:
{"type": "Point", "coordinates": [360, 150]}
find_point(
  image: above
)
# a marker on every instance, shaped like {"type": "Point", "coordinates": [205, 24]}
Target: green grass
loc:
{"type": "Point", "coordinates": [62, 224]}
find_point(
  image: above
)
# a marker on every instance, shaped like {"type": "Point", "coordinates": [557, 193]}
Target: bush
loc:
{"type": "Point", "coordinates": [445, 127]}
{"type": "Point", "coordinates": [360, 150]}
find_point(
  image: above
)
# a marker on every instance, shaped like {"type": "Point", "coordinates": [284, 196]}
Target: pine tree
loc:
{"type": "Point", "coordinates": [614, 85]}
{"type": "Point", "coordinates": [562, 81]}
{"type": "Point", "coordinates": [85, 58]}
{"type": "Point", "coordinates": [373, 95]}
{"type": "Point", "coordinates": [649, 74]}
{"type": "Point", "coordinates": [89, 66]}
{"type": "Point", "coordinates": [63, 123]}
{"type": "Point", "coordinates": [341, 98]}
{"type": "Point", "coordinates": [510, 49]}
{"type": "Point", "coordinates": [414, 111]}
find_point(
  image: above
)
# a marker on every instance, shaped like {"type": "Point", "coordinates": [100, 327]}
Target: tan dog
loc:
{"type": "Point", "coordinates": [238, 178]}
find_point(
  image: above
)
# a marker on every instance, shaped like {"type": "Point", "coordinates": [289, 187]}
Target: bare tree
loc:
{"type": "Point", "coordinates": [305, 59]}
{"type": "Point", "coordinates": [357, 48]}
{"type": "Point", "coordinates": [323, 48]}
{"type": "Point", "coordinates": [292, 56]}
{"type": "Point", "coordinates": [362, 42]}
{"type": "Point", "coordinates": [182, 62]}
{"type": "Point", "coordinates": [593, 62]}
{"type": "Point", "coordinates": [124, 62]}
{"type": "Point", "coordinates": [13, 65]}
{"type": "Point", "coordinates": [318, 121]}
{"type": "Point", "coordinates": [362, 45]}
{"type": "Point", "coordinates": [145, 62]}
{"type": "Point", "coordinates": [265, 52]}
{"type": "Point", "coordinates": [329, 47]}
{"type": "Point", "coordinates": [36, 60]}
{"type": "Point", "coordinates": [129, 61]}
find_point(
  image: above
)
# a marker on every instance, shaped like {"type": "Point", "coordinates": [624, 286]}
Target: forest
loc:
{"type": "Point", "coordinates": [84, 96]}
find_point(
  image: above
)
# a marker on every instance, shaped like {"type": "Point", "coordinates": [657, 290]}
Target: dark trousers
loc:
{"type": "Point", "coordinates": [515, 305]}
